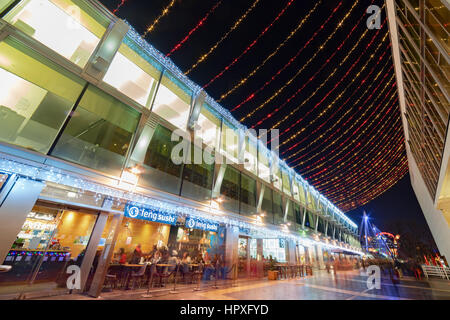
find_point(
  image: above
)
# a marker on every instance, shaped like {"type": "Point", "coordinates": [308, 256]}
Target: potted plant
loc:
{"type": "Point", "coordinates": [272, 270]}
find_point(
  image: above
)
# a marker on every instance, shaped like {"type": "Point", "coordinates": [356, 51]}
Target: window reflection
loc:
{"type": "Point", "coordinates": [248, 195]}
{"type": "Point", "coordinates": [230, 189]}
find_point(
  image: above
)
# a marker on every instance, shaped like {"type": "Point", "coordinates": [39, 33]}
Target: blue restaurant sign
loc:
{"type": "Point", "coordinates": [140, 212]}
{"type": "Point", "coordinates": [193, 223]}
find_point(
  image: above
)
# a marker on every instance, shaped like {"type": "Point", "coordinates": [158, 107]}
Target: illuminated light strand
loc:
{"type": "Point", "coordinates": [161, 15]}
{"type": "Point", "coordinates": [380, 172]}
{"type": "Point", "coordinates": [351, 154]}
{"type": "Point", "coordinates": [391, 175]}
{"type": "Point", "coordinates": [322, 83]}
{"type": "Point", "coordinates": [236, 24]}
{"type": "Point", "coordinates": [197, 26]}
{"type": "Point", "coordinates": [273, 53]}
{"type": "Point", "coordinates": [316, 164]}
{"type": "Point", "coordinates": [386, 150]}
{"type": "Point", "coordinates": [374, 180]}
{"type": "Point", "coordinates": [340, 151]}
{"type": "Point", "coordinates": [254, 93]}
{"type": "Point", "coordinates": [329, 118]}
{"type": "Point", "coordinates": [375, 167]}
{"type": "Point", "coordinates": [336, 123]}
{"type": "Point", "coordinates": [339, 96]}
{"type": "Point", "coordinates": [379, 164]}
{"type": "Point", "coordinates": [122, 2]}
{"type": "Point", "coordinates": [217, 76]}
{"type": "Point", "coordinates": [304, 66]}
{"type": "Point", "coordinates": [376, 192]}
{"type": "Point", "coordinates": [269, 115]}
{"type": "Point", "coordinates": [380, 190]}
{"type": "Point", "coordinates": [329, 93]}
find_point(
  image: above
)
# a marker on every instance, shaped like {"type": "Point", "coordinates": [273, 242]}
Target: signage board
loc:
{"type": "Point", "coordinates": [144, 213]}
{"type": "Point", "coordinates": [194, 223]}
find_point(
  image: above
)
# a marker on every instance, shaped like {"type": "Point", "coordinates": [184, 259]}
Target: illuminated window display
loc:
{"type": "Point", "coordinates": [61, 25]}
{"type": "Point", "coordinates": [49, 241]}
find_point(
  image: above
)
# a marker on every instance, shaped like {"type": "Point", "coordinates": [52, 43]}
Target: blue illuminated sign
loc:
{"type": "Point", "coordinates": [139, 212]}
{"type": "Point", "coordinates": [193, 223]}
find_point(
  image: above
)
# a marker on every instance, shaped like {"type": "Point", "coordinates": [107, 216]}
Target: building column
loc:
{"type": "Point", "coordinates": [259, 258]}
{"type": "Point", "coordinates": [231, 248]}
{"type": "Point", "coordinates": [17, 199]}
{"type": "Point", "coordinates": [106, 256]}
{"type": "Point", "coordinates": [290, 251]}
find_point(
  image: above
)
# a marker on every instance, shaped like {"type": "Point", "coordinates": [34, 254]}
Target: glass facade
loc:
{"type": "Point", "coordinates": [64, 26]}
{"type": "Point", "coordinates": [32, 88]}
{"type": "Point", "coordinates": [248, 195]}
{"type": "Point", "coordinates": [230, 189]}
{"type": "Point", "coordinates": [93, 129]}
{"type": "Point", "coordinates": [99, 133]}
{"type": "Point", "coordinates": [423, 32]}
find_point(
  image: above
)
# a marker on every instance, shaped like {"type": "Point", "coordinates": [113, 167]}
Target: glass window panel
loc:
{"type": "Point", "coordinates": [133, 75]}
{"type": "Point", "coordinates": [277, 176]}
{"type": "Point", "coordinates": [209, 125]}
{"type": "Point", "coordinates": [98, 134]}
{"type": "Point", "coordinates": [230, 189]}
{"type": "Point", "coordinates": [267, 205]}
{"type": "Point", "coordinates": [251, 154]}
{"type": "Point", "coordinates": [173, 101]}
{"type": "Point", "coordinates": [286, 183]}
{"type": "Point", "coordinates": [61, 25]}
{"type": "Point", "coordinates": [298, 214]}
{"type": "Point", "coordinates": [248, 195]}
{"type": "Point", "coordinates": [32, 88]}
{"type": "Point", "coordinates": [296, 194]}
{"type": "Point", "coordinates": [278, 208]}
{"type": "Point", "coordinates": [197, 179]}
{"type": "Point", "coordinates": [159, 171]}
{"type": "Point", "coordinates": [290, 214]}
{"type": "Point", "coordinates": [263, 166]}
{"type": "Point", "coordinates": [230, 142]}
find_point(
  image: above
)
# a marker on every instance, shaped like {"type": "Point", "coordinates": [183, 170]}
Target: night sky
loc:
{"type": "Point", "coordinates": [346, 139]}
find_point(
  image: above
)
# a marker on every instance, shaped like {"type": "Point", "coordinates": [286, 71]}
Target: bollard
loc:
{"type": "Point", "coordinates": [148, 295]}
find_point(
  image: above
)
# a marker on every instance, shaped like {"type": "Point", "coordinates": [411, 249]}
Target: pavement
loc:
{"type": "Point", "coordinates": [345, 285]}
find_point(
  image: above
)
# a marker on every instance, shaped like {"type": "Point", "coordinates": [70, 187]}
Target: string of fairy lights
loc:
{"type": "Point", "coordinates": [250, 46]}
{"type": "Point", "coordinates": [336, 126]}
{"type": "Point", "coordinates": [163, 13]}
{"type": "Point", "coordinates": [191, 32]}
{"type": "Point", "coordinates": [339, 96]}
{"type": "Point", "coordinates": [203, 57]}
{"type": "Point", "coordinates": [279, 91]}
{"type": "Point", "coordinates": [272, 54]}
{"type": "Point", "coordinates": [344, 136]}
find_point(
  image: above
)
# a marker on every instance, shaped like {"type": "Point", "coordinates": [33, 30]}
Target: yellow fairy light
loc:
{"type": "Point", "coordinates": [214, 47]}
{"type": "Point", "coordinates": [301, 69]}
{"type": "Point", "coordinates": [163, 13]}
{"type": "Point", "coordinates": [251, 74]}
{"type": "Point", "coordinates": [335, 100]}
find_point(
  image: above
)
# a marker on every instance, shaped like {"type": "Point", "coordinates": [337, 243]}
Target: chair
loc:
{"type": "Point", "coordinates": [164, 274]}
{"type": "Point", "coordinates": [187, 272]}
{"type": "Point", "coordinates": [138, 276]}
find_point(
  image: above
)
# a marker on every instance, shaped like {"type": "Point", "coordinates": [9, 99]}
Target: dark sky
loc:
{"type": "Point", "coordinates": [349, 137]}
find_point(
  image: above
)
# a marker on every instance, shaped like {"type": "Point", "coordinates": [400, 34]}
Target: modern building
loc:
{"type": "Point", "coordinates": [419, 32]}
{"type": "Point", "coordinates": [87, 112]}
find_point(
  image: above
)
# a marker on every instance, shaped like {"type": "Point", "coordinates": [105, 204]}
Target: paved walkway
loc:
{"type": "Point", "coordinates": [350, 285]}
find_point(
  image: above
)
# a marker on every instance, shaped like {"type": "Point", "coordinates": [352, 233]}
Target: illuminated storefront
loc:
{"type": "Point", "coordinates": [98, 173]}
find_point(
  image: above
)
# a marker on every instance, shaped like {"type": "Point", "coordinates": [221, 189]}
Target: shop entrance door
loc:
{"type": "Point", "coordinates": [51, 240]}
